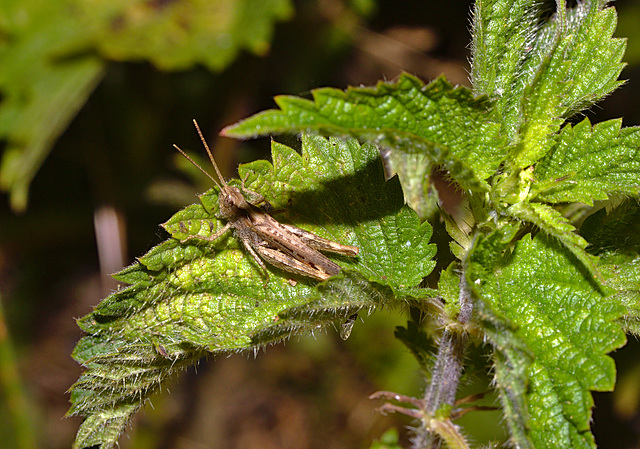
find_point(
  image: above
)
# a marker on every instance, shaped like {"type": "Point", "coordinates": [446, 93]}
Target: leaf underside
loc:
{"type": "Point", "coordinates": [614, 235]}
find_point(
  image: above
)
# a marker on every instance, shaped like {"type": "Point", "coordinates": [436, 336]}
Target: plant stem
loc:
{"type": "Point", "coordinates": [445, 374]}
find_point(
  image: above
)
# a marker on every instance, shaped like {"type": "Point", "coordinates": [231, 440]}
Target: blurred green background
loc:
{"type": "Point", "coordinates": [92, 96]}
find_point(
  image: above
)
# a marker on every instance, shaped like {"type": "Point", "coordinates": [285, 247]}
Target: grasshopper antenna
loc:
{"type": "Point", "coordinates": [206, 147]}
{"type": "Point", "coordinates": [196, 164]}
{"type": "Point", "coordinates": [210, 157]}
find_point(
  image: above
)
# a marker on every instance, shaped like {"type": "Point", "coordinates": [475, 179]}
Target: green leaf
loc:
{"type": "Point", "coordinates": [49, 66]}
{"type": "Point", "coordinates": [573, 63]}
{"type": "Point", "coordinates": [615, 230]}
{"type": "Point", "coordinates": [595, 59]}
{"type": "Point", "coordinates": [553, 223]}
{"type": "Point", "coordinates": [419, 342]}
{"type": "Point", "coordinates": [449, 289]}
{"type": "Point", "coordinates": [551, 328]}
{"type": "Point", "coordinates": [544, 72]}
{"type": "Point", "coordinates": [622, 273]}
{"type": "Point", "coordinates": [590, 164]}
{"type": "Point", "coordinates": [446, 123]}
{"type": "Point", "coordinates": [198, 297]}
{"type": "Point", "coordinates": [414, 171]}
{"type": "Point", "coordinates": [43, 84]}
{"type": "Point", "coordinates": [511, 356]}
{"type": "Point", "coordinates": [389, 440]}
{"type": "Point", "coordinates": [615, 236]}
{"type": "Point", "coordinates": [502, 34]}
{"type": "Point", "coordinates": [177, 35]}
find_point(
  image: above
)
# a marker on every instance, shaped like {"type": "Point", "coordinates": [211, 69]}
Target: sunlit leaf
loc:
{"type": "Point", "coordinates": [191, 297]}
{"type": "Point", "coordinates": [551, 328]}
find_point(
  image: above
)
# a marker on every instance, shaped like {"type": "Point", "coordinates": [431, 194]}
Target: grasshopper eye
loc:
{"type": "Point", "coordinates": [227, 201]}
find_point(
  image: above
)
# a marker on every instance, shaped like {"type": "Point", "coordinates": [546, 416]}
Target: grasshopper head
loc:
{"type": "Point", "coordinates": [232, 202]}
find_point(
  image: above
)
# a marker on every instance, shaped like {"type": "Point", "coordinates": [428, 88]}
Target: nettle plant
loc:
{"type": "Point", "coordinates": [546, 258]}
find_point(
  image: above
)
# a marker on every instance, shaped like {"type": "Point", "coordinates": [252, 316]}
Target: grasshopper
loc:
{"type": "Point", "coordinates": [284, 246]}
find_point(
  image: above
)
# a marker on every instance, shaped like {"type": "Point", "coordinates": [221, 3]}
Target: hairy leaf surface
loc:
{"type": "Point", "coordinates": [551, 328]}
{"type": "Point", "coordinates": [503, 34]}
{"type": "Point", "coordinates": [553, 223]}
{"type": "Point", "coordinates": [574, 62]}
{"type": "Point", "coordinates": [191, 298]}
{"type": "Point", "coordinates": [614, 234]}
{"type": "Point", "coordinates": [614, 229]}
{"type": "Point", "coordinates": [448, 124]}
{"type": "Point", "coordinates": [622, 273]}
{"type": "Point", "coordinates": [590, 163]}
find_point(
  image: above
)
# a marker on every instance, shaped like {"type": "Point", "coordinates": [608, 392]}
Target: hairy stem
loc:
{"type": "Point", "coordinates": [445, 376]}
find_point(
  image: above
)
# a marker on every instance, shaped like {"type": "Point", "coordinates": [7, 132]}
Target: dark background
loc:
{"type": "Point", "coordinates": [117, 153]}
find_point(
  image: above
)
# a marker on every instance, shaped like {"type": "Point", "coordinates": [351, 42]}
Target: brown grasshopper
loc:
{"type": "Point", "coordinates": [284, 246]}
